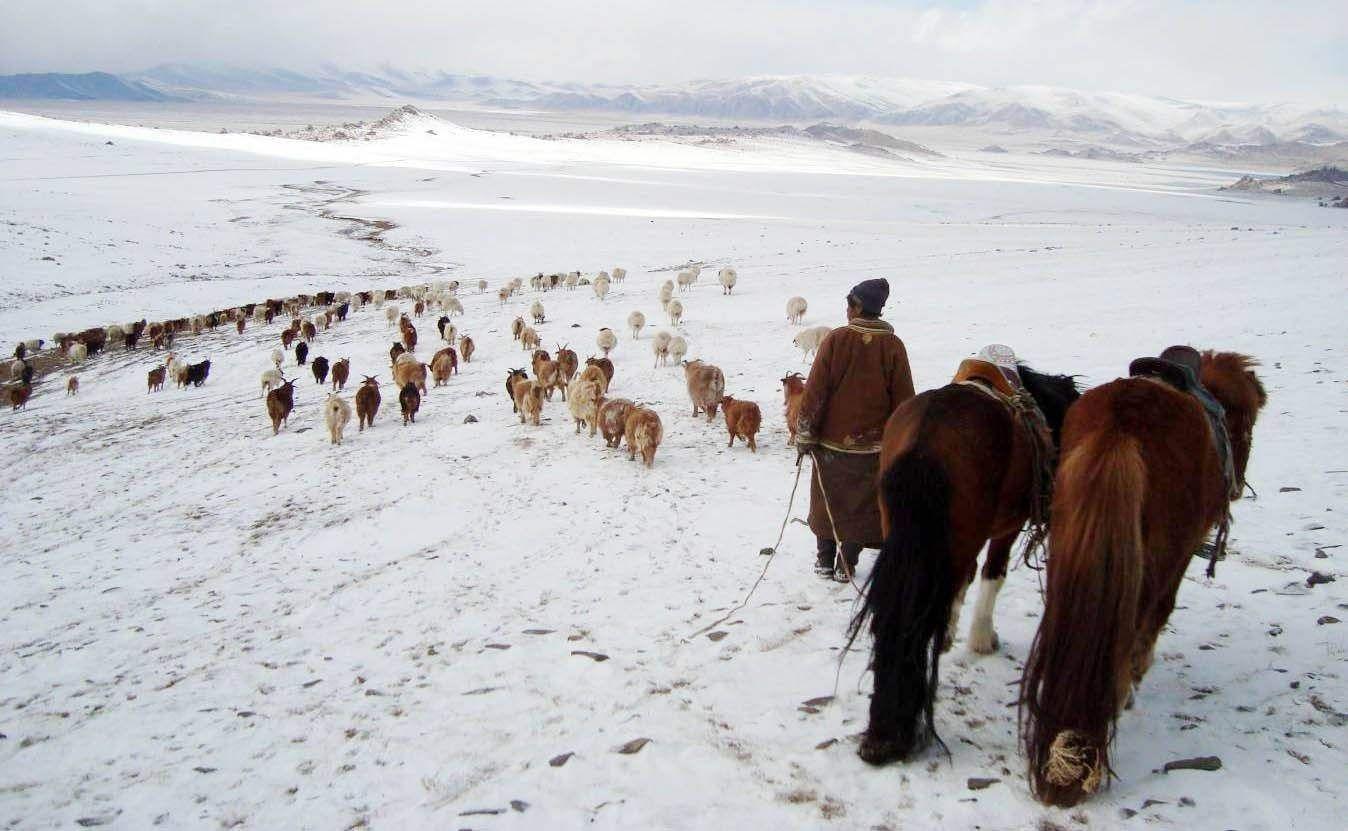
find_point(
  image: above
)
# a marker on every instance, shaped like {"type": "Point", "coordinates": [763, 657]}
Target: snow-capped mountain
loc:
{"type": "Point", "coordinates": [1106, 117]}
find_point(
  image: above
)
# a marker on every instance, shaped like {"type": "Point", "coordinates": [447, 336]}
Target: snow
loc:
{"type": "Point", "coordinates": [205, 625]}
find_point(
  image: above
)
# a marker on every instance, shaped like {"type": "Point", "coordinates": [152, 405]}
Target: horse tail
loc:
{"type": "Point", "coordinates": [907, 602]}
{"type": "Point", "coordinates": [1079, 672]}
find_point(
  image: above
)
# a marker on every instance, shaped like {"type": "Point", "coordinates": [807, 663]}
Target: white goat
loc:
{"type": "Point", "coordinates": [795, 310]}
{"type": "Point", "coordinates": [728, 277]}
{"type": "Point", "coordinates": [636, 321]}
{"type": "Point", "coordinates": [678, 347]}
{"type": "Point", "coordinates": [271, 378]}
{"type": "Point", "coordinates": [660, 346]}
{"type": "Point", "coordinates": [808, 340]}
{"type": "Point", "coordinates": [675, 310]}
{"type": "Point", "coordinates": [606, 340]}
{"type": "Point", "coordinates": [336, 413]}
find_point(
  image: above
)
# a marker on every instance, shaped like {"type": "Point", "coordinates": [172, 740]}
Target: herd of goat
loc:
{"type": "Point", "coordinates": [584, 389]}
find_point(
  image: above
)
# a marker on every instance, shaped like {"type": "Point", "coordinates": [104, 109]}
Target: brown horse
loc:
{"type": "Point", "coordinates": [1139, 486]}
{"type": "Point", "coordinates": [958, 468]}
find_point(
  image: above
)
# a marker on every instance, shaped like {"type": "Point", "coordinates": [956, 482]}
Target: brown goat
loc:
{"type": "Point", "coordinates": [287, 337]}
{"type": "Point", "coordinates": [155, 379]}
{"type": "Point", "coordinates": [466, 347]}
{"type": "Point", "coordinates": [517, 327]}
{"type": "Point", "coordinates": [309, 331]}
{"type": "Point", "coordinates": [280, 402]}
{"type": "Point", "coordinates": [444, 364]}
{"type": "Point", "coordinates": [18, 396]}
{"type": "Point", "coordinates": [73, 385]}
{"type": "Point", "coordinates": [742, 419]}
{"type": "Point", "coordinates": [340, 372]}
{"type": "Point", "coordinates": [706, 385]}
{"type": "Point", "coordinates": [410, 337]}
{"type": "Point", "coordinates": [367, 402]}
{"type": "Point", "coordinates": [643, 433]}
{"type": "Point", "coordinates": [528, 401]}
{"type": "Point", "coordinates": [567, 363]}
{"type": "Point", "coordinates": [410, 372]}
{"type": "Point", "coordinates": [613, 420]}
{"type": "Point", "coordinates": [605, 366]}
{"type": "Point", "coordinates": [410, 401]}
{"type": "Point", "coordinates": [239, 324]}
{"type": "Point", "coordinates": [793, 392]}
{"type": "Point", "coordinates": [514, 376]}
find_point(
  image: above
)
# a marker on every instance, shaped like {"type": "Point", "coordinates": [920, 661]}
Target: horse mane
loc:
{"type": "Point", "coordinates": [1053, 393]}
{"type": "Point", "coordinates": [1235, 364]}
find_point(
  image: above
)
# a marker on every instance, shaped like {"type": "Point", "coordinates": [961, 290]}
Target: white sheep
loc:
{"type": "Point", "coordinates": [636, 321]}
{"type": "Point", "coordinates": [728, 277]}
{"type": "Point", "coordinates": [117, 335]}
{"type": "Point", "coordinates": [36, 343]}
{"type": "Point", "coordinates": [503, 294]}
{"type": "Point", "coordinates": [601, 286]}
{"type": "Point", "coordinates": [391, 314]}
{"type": "Point", "coordinates": [795, 310]}
{"type": "Point", "coordinates": [536, 309]}
{"type": "Point", "coordinates": [808, 340]}
{"type": "Point", "coordinates": [336, 413]}
{"type": "Point", "coordinates": [571, 279]}
{"type": "Point", "coordinates": [619, 274]}
{"type": "Point", "coordinates": [78, 352]}
{"type": "Point", "coordinates": [378, 298]}
{"type": "Point", "coordinates": [278, 357]}
{"type": "Point", "coordinates": [16, 368]}
{"type": "Point", "coordinates": [606, 340]}
{"type": "Point", "coordinates": [666, 294]}
{"type": "Point", "coordinates": [271, 378]}
{"type": "Point", "coordinates": [685, 279]}
{"type": "Point", "coordinates": [678, 347]}
{"type": "Point", "coordinates": [675, 310]}
{"type": "Point", "coordinates": [697, 272]}
{"type": "Point", "coordinates": [449, 334]}
{"type": "Point", "coordinates": [481, 286]}
{"type": "Point", "coordinates": [453, 306]}
{"type": "Point", "coordinates": [660, 346]}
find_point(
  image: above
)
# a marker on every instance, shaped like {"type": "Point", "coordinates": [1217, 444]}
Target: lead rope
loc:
{"type": "Point", "coordinates": [847, 567]}
{"type": "Point", "coordinates": [771, 552]}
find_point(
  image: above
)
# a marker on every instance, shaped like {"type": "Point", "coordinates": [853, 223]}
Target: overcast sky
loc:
{"type": "Point", "coordinates": [1231, 50]}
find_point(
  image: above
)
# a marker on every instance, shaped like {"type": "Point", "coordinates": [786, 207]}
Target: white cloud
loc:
{"type": "Point", "coordinates": [1235, 50]}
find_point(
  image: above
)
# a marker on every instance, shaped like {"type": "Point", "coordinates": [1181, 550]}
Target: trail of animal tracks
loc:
{"type": "Point", "coordinates": [489, 625]}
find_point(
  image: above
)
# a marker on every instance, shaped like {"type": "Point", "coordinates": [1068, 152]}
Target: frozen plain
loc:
{"type": "Point", "coordinates": [204, 626]}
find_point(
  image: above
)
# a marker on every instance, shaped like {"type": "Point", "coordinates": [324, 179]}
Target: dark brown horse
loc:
{"type": "Point", "coordinates": [1139, 486]}
{"type": "Point", "coordinates": [959, 466]}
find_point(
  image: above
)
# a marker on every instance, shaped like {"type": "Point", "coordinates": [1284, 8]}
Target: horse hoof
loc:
{"type": "Point", "coordinates": [981, 645]}
{"type": "Point", "coordinates": [878, 751]}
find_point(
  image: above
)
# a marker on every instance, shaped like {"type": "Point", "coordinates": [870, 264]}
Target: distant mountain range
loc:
{"type": "Point", "coordinates": [1116, 119]}
{"type": "Point", "coordinates": [89, 86]}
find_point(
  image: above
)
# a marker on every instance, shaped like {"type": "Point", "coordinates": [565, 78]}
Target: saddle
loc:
{"type": "Point", "coordinates": [994, 371]}
{"type": "Point", "coordinates": [1179, 367]}
{"type": "Point", "coordinates": [988, 374]}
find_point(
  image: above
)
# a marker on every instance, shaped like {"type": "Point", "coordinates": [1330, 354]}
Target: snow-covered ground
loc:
{"type": "Point", "coordinates": [203, 625]}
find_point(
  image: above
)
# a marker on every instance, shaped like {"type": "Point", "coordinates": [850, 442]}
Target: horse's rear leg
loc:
{"type": "Point", "coordinates": [982, 636]}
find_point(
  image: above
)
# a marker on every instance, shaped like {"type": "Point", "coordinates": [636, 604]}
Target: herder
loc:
{"type": "Point", "coordinates": [859, 378]}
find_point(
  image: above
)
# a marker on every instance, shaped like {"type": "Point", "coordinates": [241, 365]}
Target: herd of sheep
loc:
{"type": "Point", "coordinates": [584, 389]}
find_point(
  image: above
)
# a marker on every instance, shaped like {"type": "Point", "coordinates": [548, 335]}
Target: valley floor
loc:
{"type": "Point", "coordinates": [461, 624]}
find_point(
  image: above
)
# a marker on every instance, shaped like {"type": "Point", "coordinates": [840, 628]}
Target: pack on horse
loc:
{"type": "Point", "coordinates": [960, 465]}
{"type": "Point", "coordinates": [1140, 483]}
